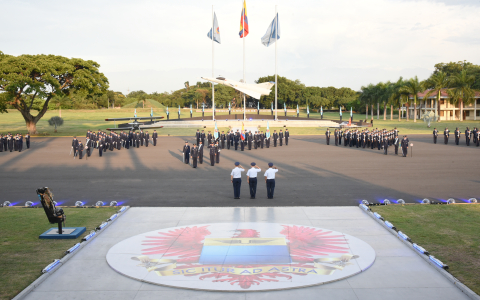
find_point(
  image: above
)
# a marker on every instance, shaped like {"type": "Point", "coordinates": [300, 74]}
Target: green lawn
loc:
{"type": "Point", "coordinates": [448, 232]}
{"type": "Point", "coordinates": [77, 122]}
{"type": "Point", "coordinates": [23, 255]}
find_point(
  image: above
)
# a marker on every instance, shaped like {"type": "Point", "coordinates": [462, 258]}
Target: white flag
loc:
{"type": "Point", "coordinates": [272, 35]}
{"type": "Point", "coordinates": [216, 35]}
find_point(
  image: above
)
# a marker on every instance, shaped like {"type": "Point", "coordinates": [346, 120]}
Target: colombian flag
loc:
{"type": "Point", "coordinates": [244, 21]}
{"type": "Point", "coordinates": [243, 132]}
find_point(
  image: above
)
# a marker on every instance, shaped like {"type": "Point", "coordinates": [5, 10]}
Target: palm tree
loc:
{"type": "Point", "coordinates": [366, 97]}
{"type": "Point", "coordinates": [385, 96]}
{"type": "Point", "coordinates": [436, 83]}
{"type": "Point", "coordinates": [396, 97]}
{"type": "Point", "coordinates": [413, 87]}
{"type": "Point", "coordinates": [462, 91]}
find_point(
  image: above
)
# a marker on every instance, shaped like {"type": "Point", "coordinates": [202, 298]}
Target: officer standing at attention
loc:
{"type": "Point", "coordinates": [186, 153]}
{"type": "Point", "coordinates": [395, 143]}
{"type": "Point", "coordinates": [446, 135]}
{"type": "Point", "coordinates": [217, 152]}
{"type": "Point", "coordinates": [147, 137]}
{"type": "Point", "coordinates": [287, 135]}
{"type": "Point", "coordinates": [404, 146]}
{"type": "Point", "coordinates": [467, 136]}
{"type": "Point", "coordinates": [270, 179]}
{"type": "Point", "coordinates": [280, 137]}
{"type": "Point", "coordinates": [327, 136]}
{"type": "Point", "coordinates": [222, 139]}
{"type": "Point", "coordinates": [202, 137]}
{"type": "Point", "coordinates": [435, 134]}
{"type": "Point", "coordinates": [80, 150]}
{"type": "Point", "coordinates": [252, 179]}
{"type": "Point", "coordinates": [236, 178]}
{"type": "Point", "coordinates": [27, 140]}
{"type": "Point", "coordinates": [194, 155]}
{"type": "Point", "coordinates": [200, 152]}
{"type": "Point", "coordinates": [457, 136]}
{"type": "Point", "coordinates": [236, 138]}
{"type": "Point", "coordinates": [385, 146]}
{"type": "Point", "coordinates": [212, 154]}
{"type": "Point", "coordinates": [74, 146]}
{"type": "Point", "coordinates": [197, 136]}
{"type": "Point", "coordinates": [154, 137]}
{"type": "Point", "coordinates": [275, 138]}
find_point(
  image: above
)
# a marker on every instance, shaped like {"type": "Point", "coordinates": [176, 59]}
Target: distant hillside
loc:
{"type": "Point", "coordinates": [148, 104]}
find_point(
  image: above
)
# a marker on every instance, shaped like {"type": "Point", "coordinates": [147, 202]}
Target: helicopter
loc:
{"type": "Point", "coordinates": [136, 125]}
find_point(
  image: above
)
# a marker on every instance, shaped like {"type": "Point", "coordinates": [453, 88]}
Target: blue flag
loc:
{"type": "Point", "coordinates": [297, 108]}
{"type": "Point", "coordinates": [267, 133]}
{"type": "Point", "coordinates": [216, 35]}
{"type": "Point", "coordinates": [179, 110]}
{"type": "Point", "coordinates": [215, 133]}
{"type": "Point", "coordinates": [229, 106]}
{"type": "Point", "coordinates": [271, 106]}
{"type": "Point", "coordinates": [190, 108]}
{"type": "Point", "coordinates": [258, 105]}
{"type": "Point", "coordinates": [271, 36]}
{"type": "Point", "coordinates": [167, 110]}
{"type": "Point", "coordinates": [351, 113]}
{"type": "Point", "coordinates": [284, 107]}
{"type": "Point", "coordinates": [308, 112]}
{"type": "Point", "coordinates": [135, 114]}
{"type": "Point", "coordinates": [340, 110]}
{"type": "Point", "coordinates": [151, 111]}
{"type": "Point", "coordinates": [321, 110]}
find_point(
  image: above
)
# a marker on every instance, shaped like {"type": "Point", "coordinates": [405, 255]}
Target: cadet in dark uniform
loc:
{"type": "Point", "coordinates": [385, 146]}
{"type": "Point", "coordinates": [217, 153]}
{"type": "Point", "coordinates": [287, 135]}
{"type": "Point", "coordinates": [435, 134]}
{"type": "Point", "coordinates": [74, 146]}
{"type": "Point", "coordinates": [236, 179]}
{"type": "Point", "coordinates": [212, 154]}
{"type": "Point", "coordinates": [249, 140]}
{"type": "Point", "coordinates": [404, 146]}
{"type": "Point", "coordinates": [147, 137]}
{"type": "Point", "coordinates": [209, 138]}
{"type": "Point", "coordinates": [202, 137]}
{"type": "Point", "coordinates": [262, 139]}
{"type": "Point", "coordinates": [222, 139]}
{"type": "Point", "coordinates": [27, 140]}
{"type": "Point", "coordinates": [280, 137]}
{"type": "Point", "coordinates": [100, 146]}
{"type": "Point", "coordinates": [327, 136]}
{"type": "Point", "coordinates": [236, 138]}
{"type": "Point", "coordinates": [80, 150]}
{"type": "Point", "coordinates": [275, 138]}
{"type": "Point", "coordinates": [467, 136]}
{"type": "Point", "coordinates": [446, 135]}
{"type": "Point", "coordinates": [252, 179]}
{"type": "Point", "coordinates": [200, 152]}
{"type": "Point", "coordinates": [457, 136]}
{"type": "Point", "coordinates": [194, 155]}
{"type": "Point", "coordinates": [395, 143]}
{"type": "Point", "coordinates": [197, 136]}
{"type": "Point", "coordinates": [186, 153]}
{"type": "Point", "coordinates": [229, 140]}
{"type": "Point", "coordinates": [154, 137]}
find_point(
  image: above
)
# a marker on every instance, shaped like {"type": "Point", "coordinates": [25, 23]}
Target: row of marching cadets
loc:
{"type": "Point", "coordinates": [378, 139]}
{"type": "Point", "coordinates": [9, 142]}
{"type": "Point", "coordinates": [104, 141]}
{"type": "Point", "coordinates": [242, 140]}
{"type": "Point", "coordinates": [470, 135]}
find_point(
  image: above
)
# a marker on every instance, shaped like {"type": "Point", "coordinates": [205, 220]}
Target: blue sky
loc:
{"type": "Point", "coordinates": [158, 45]}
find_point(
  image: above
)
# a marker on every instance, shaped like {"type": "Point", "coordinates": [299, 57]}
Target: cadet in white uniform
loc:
{"type": "Point", "coordinates": [270, 179]}
{"type": "Point", "coordinates": [236, 178]}
{"type": "Point", "coordinates": [252, 179]}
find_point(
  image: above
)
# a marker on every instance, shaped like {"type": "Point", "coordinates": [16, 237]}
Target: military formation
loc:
{"type": "Point", "coordinates": [231, 139]}
{"type": "Point", "coordinates": [471, 136]}
{"type": "Point", "coordinates": [10, 142]}
{"type": "Point", "coordinates": [104, 142]}
{"type": "Point", "coordinates": [375, 139]}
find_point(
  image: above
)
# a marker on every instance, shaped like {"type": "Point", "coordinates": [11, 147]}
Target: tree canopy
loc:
{"type": "Point", "coordinates": [29, 82]}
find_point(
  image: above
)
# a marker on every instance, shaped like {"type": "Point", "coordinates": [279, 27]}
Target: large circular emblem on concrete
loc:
{"type": "Point", "coordinates": [241, 256]}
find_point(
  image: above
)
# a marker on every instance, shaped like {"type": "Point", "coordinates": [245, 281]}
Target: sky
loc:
{"type": "Point", "coordinates": [156, 46]}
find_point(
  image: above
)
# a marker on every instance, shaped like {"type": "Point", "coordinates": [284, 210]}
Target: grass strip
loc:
{"type": "Point", "coordinates": [23, 255]}
{"type": "Point", "coordinates": [448, 232]}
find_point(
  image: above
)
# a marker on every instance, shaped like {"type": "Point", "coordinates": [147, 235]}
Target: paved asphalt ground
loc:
{"type": "Point", "coordinates": [311, 174]}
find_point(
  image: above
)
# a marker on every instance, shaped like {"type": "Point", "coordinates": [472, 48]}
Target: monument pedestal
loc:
{"type": "Point", "coordinates": [67, 233]}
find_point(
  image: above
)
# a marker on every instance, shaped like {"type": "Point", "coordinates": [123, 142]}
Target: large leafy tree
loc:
{"type": "Point", "coordinates": [462, 91]}
{"type": "Point", "coordinates": [29, 82]}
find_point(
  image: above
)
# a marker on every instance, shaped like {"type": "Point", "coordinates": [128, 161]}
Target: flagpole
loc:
{"type": "Point", "coordinates": [276, 43]}
{"type": "Point", "coordinates": [243, 25]}
{"type": "Point", "coordinates": [213, 75]}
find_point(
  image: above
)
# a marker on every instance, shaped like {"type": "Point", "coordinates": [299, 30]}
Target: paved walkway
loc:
{"type": "Point", "coordinates": [398, 272]}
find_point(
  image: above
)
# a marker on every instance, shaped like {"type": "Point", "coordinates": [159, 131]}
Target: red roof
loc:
{"type": "Point", "coordinates": [443, 94]}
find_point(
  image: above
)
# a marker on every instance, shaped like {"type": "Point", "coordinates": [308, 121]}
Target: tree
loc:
{"type": "Point", "coordinates": [397, 97]}
{"type": "Point", "coordinates": [462, 91]}
{"type": "Point", "coordinates": [31, 81]}
{"type": "Point", "coordinates": [413, 87]}
{"type": "Point", "coordinates": [436, 83]}
{"type": "Point", "coordinates": [55, 121]}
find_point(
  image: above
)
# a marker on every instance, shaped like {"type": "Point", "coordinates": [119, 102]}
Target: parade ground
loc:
{"type": "Point", "coordinates": [310, 174]}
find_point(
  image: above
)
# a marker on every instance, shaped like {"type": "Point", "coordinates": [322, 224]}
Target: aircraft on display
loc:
{"type": "Point", "coordinates": [253, 90]}
{"type": "Point", "coordinates": [135, 125]}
